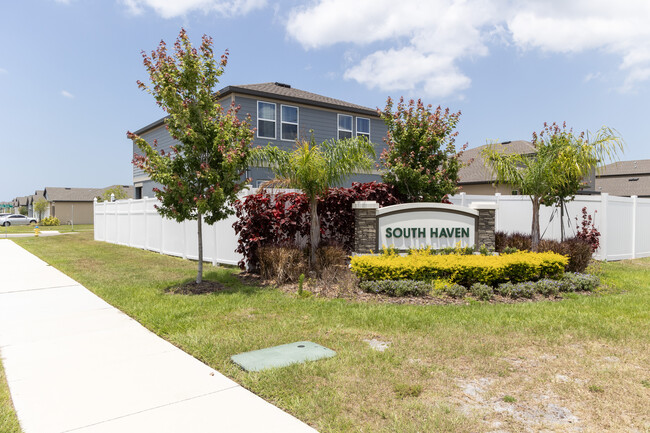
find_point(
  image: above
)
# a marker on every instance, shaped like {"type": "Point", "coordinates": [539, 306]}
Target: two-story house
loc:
{"type": "Point", "coordinates": [281, 115]}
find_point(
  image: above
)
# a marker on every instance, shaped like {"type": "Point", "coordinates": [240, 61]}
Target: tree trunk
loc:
{"type": "Point", "coordinates": [534, 234]}
{"type": "Point", "coordinates": [199, 274]}
{"type": "Point", "coordinates": [562, 220]}
{"type": "Point", "coordinates": [314, 231]}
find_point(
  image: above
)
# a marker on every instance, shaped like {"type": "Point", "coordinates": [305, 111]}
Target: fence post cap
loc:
{"type": "Point", "coordinates": [484, 205]}
{"type": "Point", "coordinates": [365, 205]}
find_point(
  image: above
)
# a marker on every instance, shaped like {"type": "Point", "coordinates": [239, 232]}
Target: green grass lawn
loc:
{"type": "Point", "coordinates": [8, 420]}
{"type": "Point", "coordinates": [581, 362]}
{"type": "Point", "coordinates": [60, 229]}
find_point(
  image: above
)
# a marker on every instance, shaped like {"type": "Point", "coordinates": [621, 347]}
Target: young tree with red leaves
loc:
{"type": "Point", "coordinates": [202, 174]}
{"type": "Point", "coordinates": [421, 160]}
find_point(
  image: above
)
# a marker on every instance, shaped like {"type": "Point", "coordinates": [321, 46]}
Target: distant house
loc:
{"type": "Point", "coordinates": [475, 177]}
{"type": "Point", "coordinates": [31, 200]}
{"type": "Point", "coordinates": [625, 178]}
{"type": "Point", "coordinates": [281, 115]}
{"type": "Point", "coordinates": [19, 202]}
{"type": "Point", "coordinates": [76, 204]}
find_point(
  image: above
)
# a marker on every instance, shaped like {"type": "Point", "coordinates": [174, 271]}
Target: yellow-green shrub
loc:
{"type": "Point", "coordinates": [461, 269]}
{"type": "Point", "coordinates": [50, 221]}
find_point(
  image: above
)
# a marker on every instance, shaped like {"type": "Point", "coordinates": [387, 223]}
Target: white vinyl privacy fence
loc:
{"type": "Point", "coordinates": [623, 222]}
{"type": "Point", "coordinates": [137, 223]}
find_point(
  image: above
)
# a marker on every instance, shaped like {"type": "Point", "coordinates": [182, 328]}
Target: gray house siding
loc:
{"type": "Point", "coordinates": [165, 142]}
{"type": "Point", "coordinates": [323, 122]}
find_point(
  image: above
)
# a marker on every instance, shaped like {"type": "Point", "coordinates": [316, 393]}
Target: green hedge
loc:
{"type": "Point", "coordinates": [465, 270]}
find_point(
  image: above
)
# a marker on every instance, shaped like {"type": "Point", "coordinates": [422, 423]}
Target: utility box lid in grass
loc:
{"type": "Point", "coordinates": [281, 356]}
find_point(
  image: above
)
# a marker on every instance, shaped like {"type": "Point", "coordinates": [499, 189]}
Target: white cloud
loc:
{"type": "Point", "coordinates": [426, 40]}
{"type": "Point", "coordinates": [67, 94]}
{"type": "Point", "coordinates": [423, 41]}
{"type": "Point", "coordinates": [592, 76]}
{"type": "Point", "coordinates": [3, 71]}
{"type": "Point", "coordinates": [180, 8]}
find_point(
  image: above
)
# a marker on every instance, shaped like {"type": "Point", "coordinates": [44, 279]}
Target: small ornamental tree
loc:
{"type": "Point", "coordinates": [203, 172]}
{"type": "Point", "coordinates": [560, 161]}
{"type": "Point", "coordinates": [420, 160]}
{"type": "Point", "coordinates": [40, 207]}
{"type": "Point", "coordinates": [116, 191]}
{"type": "Point", "coordinates": [576, 158]}
{"type": "Point", "coordinates": [314, 169]}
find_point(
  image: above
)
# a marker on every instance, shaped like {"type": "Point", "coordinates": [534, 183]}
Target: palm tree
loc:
{"type": "Point", "coordinates": [561, 160]}
{"type": "Point", "coordinates": [314, 169]}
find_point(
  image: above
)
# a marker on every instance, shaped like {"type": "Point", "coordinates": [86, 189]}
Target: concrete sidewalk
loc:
{"type": "Point", "coordinates": [4, 235]}
{"type": "Point", "coordinates": [75, 363]}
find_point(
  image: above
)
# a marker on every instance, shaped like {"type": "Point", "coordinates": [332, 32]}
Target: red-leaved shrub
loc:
{"type": "Point", "coordinates": [283, 218]}
{"type": "Point", "coordinates": [588, 231]}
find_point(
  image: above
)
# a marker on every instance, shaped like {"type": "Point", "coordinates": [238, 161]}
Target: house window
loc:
{"type": "Point", "coordinates": [345, 126]}
{"type": "Point", "coordinates": [363, 127]}
{"type": "Point", "coordinates": [138, 192]}
{"type": "Point", "coordinates": [266, 120]}
{"type": "Point", "coordinates": [289, 122]}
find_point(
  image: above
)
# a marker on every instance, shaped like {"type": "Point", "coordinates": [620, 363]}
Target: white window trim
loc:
{"type": "Point", "coordinates": [363, 133]}
{"type": "Point", "coordinates": [338, 125]}
{"type": "Point", "coordinates": [275, 121]}
{"type": "Point", "coordinates": [290, 123]}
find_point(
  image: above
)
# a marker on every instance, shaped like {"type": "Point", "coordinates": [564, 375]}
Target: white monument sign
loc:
{"type": "Point", "coordinates": [417, 225]}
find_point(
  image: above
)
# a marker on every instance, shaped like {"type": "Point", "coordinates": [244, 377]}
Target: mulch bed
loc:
{"type": "Point", "coordinates": [333, 291]}
{"type": "Point", "coordinates": [358, 295]}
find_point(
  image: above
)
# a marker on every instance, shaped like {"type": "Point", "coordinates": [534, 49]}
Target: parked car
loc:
{"type": "Point", "coordinates": [16, 220]}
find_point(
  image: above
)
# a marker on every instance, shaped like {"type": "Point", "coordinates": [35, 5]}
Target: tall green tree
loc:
{"type": "Point", "coordinates": [203, 172]}
{"type": "Point", "coordinates": [315, 168]}
{"type": "Point", "coordinates": [420, 159]}
{"type": "Point", "coordinates": [561, 161]}
{"type": "Point", "coordinates": [40, 207]}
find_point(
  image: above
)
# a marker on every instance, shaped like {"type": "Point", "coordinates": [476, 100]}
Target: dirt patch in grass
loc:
{"type": "Point", "coordinates": [584, 387]}
{"type": "Point", "coordinates": [194, 288]}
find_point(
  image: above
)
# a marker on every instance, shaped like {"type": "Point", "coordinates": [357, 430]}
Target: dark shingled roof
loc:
{"type": "Point", "coordinates": [20, 201]}
{"type": "Point", "coordinates": [80, 194]}
{"type": "Point", "coordinates": [287, 93]}
{"type": "Point", "coordinates": [35, 197]}
{"type": "Point", "coordinates": [282, 92]}
{"type": "Point", "coordinates": [625, 168]}
{"type": "Point", "coordinates": [477, 171]}
{"type": "Point", "coordinates": [625, 178]}
{"type": "Point", "coordinates": [624, 186]}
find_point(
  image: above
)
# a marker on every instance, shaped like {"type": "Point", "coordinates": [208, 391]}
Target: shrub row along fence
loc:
{"type": "Point", "coordinates": [622, 221]}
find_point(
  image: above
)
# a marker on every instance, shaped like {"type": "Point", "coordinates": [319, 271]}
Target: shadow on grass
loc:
{"type": "Point", "coordinates": [219, 282]}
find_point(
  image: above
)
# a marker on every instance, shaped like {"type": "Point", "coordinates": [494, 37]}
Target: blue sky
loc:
{"type": "Point", "coordinates": [68, 69]}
